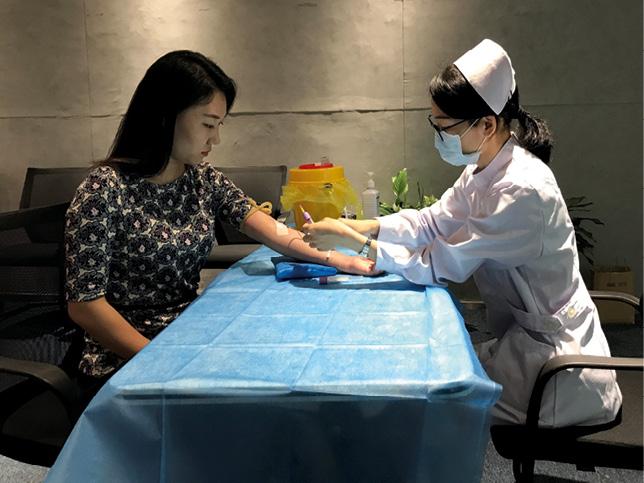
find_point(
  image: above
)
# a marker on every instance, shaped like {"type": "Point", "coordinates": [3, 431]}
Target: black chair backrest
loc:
{"type": "Point", "coordinates": [51, 186]}
{"type": "Point", "coordinates": [262, 183]}
{"type": "Point", "coordinates": [46, 187]}
{"type": "Point", "coordinates": [32, 270]}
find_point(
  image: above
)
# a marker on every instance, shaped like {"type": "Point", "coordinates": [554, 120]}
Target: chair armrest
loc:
{"type": "Point", "coordinates": [560, 363]}
{"type": "Point", "coordinates": [626, 298]}
{"type": "Point", "coordinates": [49, 374]}
{"type": "Point", "coordinates": [10, 220]}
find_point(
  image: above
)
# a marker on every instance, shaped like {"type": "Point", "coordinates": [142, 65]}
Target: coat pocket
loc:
{"type": "Point", "coordinates": [543, 324]}
{"type": "Point", "coordinates": [570, 315]}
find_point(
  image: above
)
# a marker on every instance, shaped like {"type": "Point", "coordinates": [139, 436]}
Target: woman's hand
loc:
{"type": "Point", "coordinates": [330, 233]}
{"type": "Point", "coordinates": [353, 264]}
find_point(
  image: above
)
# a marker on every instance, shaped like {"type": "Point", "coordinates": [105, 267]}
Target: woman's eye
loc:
{"type": "Point", "coordinates": [209, 126]}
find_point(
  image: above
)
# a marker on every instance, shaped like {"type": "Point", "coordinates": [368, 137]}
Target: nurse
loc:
{"type": "Point", "coordinates": [505, 223]}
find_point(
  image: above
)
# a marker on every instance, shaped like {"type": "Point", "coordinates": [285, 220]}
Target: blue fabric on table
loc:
{"type": "Point", "coordinates": [369, 379]}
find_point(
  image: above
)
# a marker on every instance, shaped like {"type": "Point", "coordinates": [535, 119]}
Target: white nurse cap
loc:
{"type": "Point", "coordinates": [487, 67]}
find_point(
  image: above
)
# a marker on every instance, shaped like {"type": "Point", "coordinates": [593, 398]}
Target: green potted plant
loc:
{"type": "Point", "coordinates": [578, 206]}
{"type": "Point", "coordinates": [400, 184]}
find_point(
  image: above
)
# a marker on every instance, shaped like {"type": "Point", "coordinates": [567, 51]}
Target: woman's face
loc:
{"type": "Point", "coordinates": [197, 130]}
{"type": "Point", "coordinates": [471, 136]}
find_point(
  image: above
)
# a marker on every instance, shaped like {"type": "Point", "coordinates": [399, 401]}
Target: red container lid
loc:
{"type": "Point", "coordinates": [315, 165]}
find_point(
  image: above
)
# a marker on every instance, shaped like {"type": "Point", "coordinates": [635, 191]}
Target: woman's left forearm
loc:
{"type": "Point", "coordinates": [289, 242]}
{"type": "Point", "coordinates": [281, 238]}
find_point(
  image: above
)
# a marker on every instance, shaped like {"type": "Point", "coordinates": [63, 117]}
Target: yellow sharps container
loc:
{"type": "Point", "coordinates": [320, 188]}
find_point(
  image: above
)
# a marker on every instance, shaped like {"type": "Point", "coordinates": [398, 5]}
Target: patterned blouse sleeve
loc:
{"type": "Point", "coordinates": [88, 231]}
{"type": "Point", "coordinates": [229, 203]}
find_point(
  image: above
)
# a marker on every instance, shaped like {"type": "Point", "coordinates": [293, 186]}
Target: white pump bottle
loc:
{"type": "Point", "coordinates": [370, 199]}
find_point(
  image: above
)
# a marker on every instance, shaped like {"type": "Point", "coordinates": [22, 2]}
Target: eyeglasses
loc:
{"type": "Point", "coordinates": [438, 129]}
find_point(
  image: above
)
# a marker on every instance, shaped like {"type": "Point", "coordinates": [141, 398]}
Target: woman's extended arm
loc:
{"type": "Point", "coordinates": [108, 327]}
{"type": "Point", "coordinates": [279, 237]}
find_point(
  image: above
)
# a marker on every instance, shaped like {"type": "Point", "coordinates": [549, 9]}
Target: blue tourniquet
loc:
{"type": "Point", "coordinates": [289, 270]}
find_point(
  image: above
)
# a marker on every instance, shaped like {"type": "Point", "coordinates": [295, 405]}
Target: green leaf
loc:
{"type": "Point", "coordinates": [421, 195]}
{"type": "Point", "coordinates": [386, 209]}
{"type": "Point", "coordinates": [401, 186]}
{"type": "Point", "coordinates": [590, 260]}
{"type": "Point", "coordinates": [583, 236]}
{"type": "Point", "coordinates": [429, 200]}
{"type": "Point", "coordinates": [582, 244]}
{"type": "Point", "coordinates": [596, 221]}
{"type": "Point", "coordinates": [574, 200]}
{"type": "Point", "coordinates": [577, 206]}
{"type": "Point", "coordinates": [577, 201]}
{"type": "Point", "coordinates": [587, 234]}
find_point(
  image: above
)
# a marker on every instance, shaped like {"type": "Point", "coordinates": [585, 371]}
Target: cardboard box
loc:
{"type": "Point", "coordinates": [614, 279]}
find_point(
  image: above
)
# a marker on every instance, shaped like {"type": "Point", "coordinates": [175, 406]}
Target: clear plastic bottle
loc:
{"type": "Point", "coordinates": [370, 199]}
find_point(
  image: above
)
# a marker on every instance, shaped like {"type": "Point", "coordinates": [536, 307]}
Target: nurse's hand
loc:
{"type": "Point", "coordinates": [329, 234]}
{"type": "Point", "coordinates": [366, 227]}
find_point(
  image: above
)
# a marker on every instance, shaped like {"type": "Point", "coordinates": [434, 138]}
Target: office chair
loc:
{"type": "Point", "coordinates": [46, 187]}
{"type": "Point", "coordinates": [32, 240]}
{"type": "Point", "coordinates": [617, 444]}
{"type": "Point", "coordinates": [51, 186]}
{"type": "Point", "coordinates": [39, 346]}
{"type": "Point", "coordinates": [262, 183]}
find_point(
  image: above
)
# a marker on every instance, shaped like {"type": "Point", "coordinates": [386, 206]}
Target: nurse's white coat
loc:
{"type": "Point", "coordinates": [509, 227]}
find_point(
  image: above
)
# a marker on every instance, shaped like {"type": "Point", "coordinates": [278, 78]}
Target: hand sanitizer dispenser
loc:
{"type": "Point", "coordinates": [370, 199]}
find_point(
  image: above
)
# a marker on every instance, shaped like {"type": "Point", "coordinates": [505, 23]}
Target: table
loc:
{"type": "Point", "coordinates": [365, 380]}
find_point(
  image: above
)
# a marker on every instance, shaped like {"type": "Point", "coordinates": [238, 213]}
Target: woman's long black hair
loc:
{"type": "Point", "coordinates": [458, 99]}
{"type": "Point", "coordinates": [176, 81]}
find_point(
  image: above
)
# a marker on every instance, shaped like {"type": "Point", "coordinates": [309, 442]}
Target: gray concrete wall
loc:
{"type": "Point", "coordinates": [343, 79]}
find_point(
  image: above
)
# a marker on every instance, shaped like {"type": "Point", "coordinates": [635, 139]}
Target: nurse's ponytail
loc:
{"type": "Point", "coordinates": [534, 134]}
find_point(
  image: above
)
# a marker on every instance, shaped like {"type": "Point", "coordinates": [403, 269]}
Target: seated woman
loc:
{"type": "Point", "coordinates": [142, 223]}
{"type": "Point", "coordinates": [505, 222]}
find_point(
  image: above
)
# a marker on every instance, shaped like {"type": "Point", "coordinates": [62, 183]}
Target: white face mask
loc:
{"type": "Point", "coordinates": [451, 151]}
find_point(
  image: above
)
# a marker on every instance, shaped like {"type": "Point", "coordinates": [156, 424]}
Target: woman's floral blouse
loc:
{"type": "Point", "coordinates": [141, 245]}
